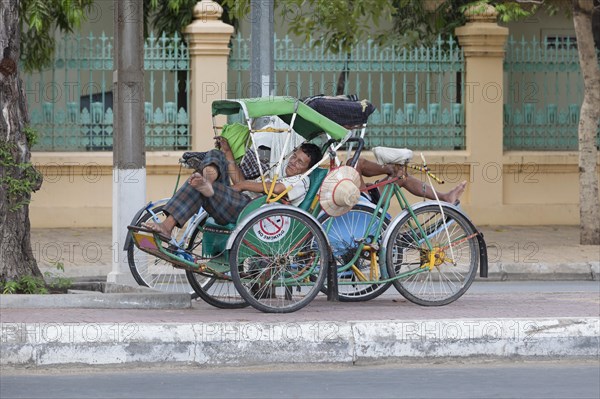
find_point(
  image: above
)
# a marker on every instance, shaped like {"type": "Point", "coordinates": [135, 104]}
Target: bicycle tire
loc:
{"type": "Point", "coordinates": [281, 270]}
{"type": "Point", "coordinates": [156, 273]}
{"type": "Point", "coordinates": [220, 293]}
{"type": "Point", "coordinates": [406, 251]}
{"type": "Point", "coordinates": [343, 234]}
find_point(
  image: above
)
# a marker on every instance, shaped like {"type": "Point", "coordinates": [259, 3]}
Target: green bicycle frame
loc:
{"type": "Point", "coordinates": [389, 192]}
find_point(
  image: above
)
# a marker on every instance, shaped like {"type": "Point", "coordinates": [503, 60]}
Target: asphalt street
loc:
{"type": "Point", "coordinates": [445, 379]}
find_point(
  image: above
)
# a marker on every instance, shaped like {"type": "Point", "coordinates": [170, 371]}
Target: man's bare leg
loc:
{"type": "Point", "coordinates": [420, 189]}
{"type": "Point", "coordinates": [413, 185]}
{"type": "Point", "coordinates": [369, 169]}
{"type": "Point", "coordinates": [202, 183]}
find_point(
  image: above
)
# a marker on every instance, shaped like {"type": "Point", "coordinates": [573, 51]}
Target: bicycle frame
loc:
{"type": "Point", "coordinates": [190, 226]}
{"type": "Point", "coordinates": [418, 233]}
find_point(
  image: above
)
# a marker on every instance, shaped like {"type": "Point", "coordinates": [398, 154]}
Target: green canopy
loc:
{"type": "Point", "coordinates": [309, 123]}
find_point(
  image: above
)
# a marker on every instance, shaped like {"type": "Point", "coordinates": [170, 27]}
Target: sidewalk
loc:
{"type": "Point", "coordinates": [515, 252]}
{"type": "Point", "coordinates": [497, 325]}
{"type": "Point", "coordinates": [482, 323]}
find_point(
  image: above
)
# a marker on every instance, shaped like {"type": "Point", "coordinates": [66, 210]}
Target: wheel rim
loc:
{"type": "Point", "coordinates": [279, 273]}
{"type": "Point", "coordinates": [442, 273]}
{"type": "Point", "coordinates": [154, 272]}
{"type": "Point", "coordinates": [218, 292]}
{"type": "Point", "coordinates": [344, 233]}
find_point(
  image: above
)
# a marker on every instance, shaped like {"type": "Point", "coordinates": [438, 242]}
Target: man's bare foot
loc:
{"type": "Point", "coordinates": [453, 195]}
{"type": "Point", "coordinates": [159, 228]}
{"type": "Point", "coordinates": [202, 185]}
{"type": "Point", "coordinates": [397, 170]}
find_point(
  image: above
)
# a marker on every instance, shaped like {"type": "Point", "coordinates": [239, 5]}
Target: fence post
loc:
{"type": "Point", "coordinates": [208, 41]}
{"type": "Point", "coordinates": [482, 41]}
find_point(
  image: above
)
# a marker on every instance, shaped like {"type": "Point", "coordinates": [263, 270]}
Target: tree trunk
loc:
{"type": "Point", "coordinates": [589, 203]}
{"type": "Point", "coordinates": [16, 174]}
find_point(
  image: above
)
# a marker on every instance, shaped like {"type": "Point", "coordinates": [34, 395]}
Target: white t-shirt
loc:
{"type": "Point", "coordinates": [299, 188]}
{"type": "Point", "coordinates": [296, 194]}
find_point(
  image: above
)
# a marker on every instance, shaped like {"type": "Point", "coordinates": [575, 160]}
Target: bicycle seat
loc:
{"type": "Point", "coordinates": [385, 155]}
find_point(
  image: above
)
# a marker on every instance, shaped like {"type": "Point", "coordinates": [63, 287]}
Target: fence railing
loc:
{"type": "Point", "coordinates": [71, 103]}
{"type": "Point", "coordinates": [418, 93]}
{"type": "Point", "coordinates": [543, 95]}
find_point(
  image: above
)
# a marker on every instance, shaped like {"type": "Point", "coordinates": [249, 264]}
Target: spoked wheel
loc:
{"type": "Point", "coordinates": [436, 259]}
{"type": "Point", "coordinates": [279, 260]}
{"type": "Point", "coordinates": [218, 292]}
{"type": "Point", "coordinates": [345, 233]}
{"type": "Point", "coordinates": [156, 273]}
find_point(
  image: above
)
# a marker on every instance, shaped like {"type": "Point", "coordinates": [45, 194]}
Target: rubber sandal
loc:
{"type": "Point", "coordinates": [146, 230]}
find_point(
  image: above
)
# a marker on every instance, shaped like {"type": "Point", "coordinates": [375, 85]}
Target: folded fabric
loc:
{"type": "Point", "coordinates": [237, 137]}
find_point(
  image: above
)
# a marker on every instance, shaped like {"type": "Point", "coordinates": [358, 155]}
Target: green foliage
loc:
{"type": "Point", "coordinates": [338, 24]}
{"type": "Point", "coordinates": [56, 281]}
{"type": "Point", "coordinates": [32, 135]}
{"type": "Point", "coordinates": [38, 22]}
{"type": "Point", "coordinates": [9, 287]}
{"type": "Point", "coordinates": [36, 285]}
{"type": "Point", "coordinates": [19, 180]}
{"type": "Point", "coordinates": [418, 23]}
{"type": "Point", "coordinates": [24, 285]}
{"type": "Point", "coordinates": [507, 11]}
{"type": "Point", "coordinates": [172, 16]}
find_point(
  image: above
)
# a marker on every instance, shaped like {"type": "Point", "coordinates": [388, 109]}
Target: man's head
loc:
{"type": "Point", "coordinates": [303, 159]}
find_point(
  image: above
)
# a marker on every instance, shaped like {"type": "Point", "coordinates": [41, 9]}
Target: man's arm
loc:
{"type": "Point", "coordinates": [257, 187]}
{"type": "Point", "coordinates": [369, 169]}
{"type": "Point", "coordinates": [235, 173]}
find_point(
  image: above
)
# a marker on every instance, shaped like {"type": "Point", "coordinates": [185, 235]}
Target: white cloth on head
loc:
{"type": "Point", "coordinates": [276, 140]}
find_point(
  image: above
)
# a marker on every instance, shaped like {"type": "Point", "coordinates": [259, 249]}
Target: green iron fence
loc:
{"type": "Point", "coordinates": [71, 103]}
{"type": "Point", "coordinates": [418, 93]}
{"type": "Point", "coordinates": [543, 95]}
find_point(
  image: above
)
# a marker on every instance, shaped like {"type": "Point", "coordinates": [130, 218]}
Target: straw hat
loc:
{"type": "Point", "coordinates": [340, 191]}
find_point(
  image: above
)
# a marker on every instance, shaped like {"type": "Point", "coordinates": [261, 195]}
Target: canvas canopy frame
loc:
{"type": "Point", "coordinates": [300, 118]}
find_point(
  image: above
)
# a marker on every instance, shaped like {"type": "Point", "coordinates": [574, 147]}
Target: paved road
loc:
{"type": "Point", "coordinates": [450, 379]}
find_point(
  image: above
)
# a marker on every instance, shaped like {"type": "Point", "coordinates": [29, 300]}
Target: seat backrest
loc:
{"type": "Point", "coordinates": [316, 178]}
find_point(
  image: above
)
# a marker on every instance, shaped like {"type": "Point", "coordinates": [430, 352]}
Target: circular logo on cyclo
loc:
{"type": "Point", "coordinates": [272, 228]}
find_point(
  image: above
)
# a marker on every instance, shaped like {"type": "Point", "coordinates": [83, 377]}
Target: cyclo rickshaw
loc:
{"type": "Point", "coordinates": [277, 256]}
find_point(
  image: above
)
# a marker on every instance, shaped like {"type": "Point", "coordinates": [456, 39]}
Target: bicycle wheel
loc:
{"type": "Point", "coordinates": [218, 292]}
{"type": "Point", "coordinates": [279, 260]}
{"type": "Point", "coordinates": [156, 273]}
{"type": "Point", "coordinates": [442, 274]}
{"type": "Point", "coordinates": [345, 233]}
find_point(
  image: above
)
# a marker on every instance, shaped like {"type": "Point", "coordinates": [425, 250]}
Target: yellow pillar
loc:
{"type": "Point", "coordinates": [208, 40]}
{"type": "Point", "coordinates": [482, 41]}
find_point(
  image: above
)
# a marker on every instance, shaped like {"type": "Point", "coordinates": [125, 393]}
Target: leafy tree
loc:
{"type": "Point", "coordinates": [31, 22]}
{"type": "Point", "coordinates": [589, 203]}
{"type": "Point", "coordinates": [38, 20]}
{"type": "Point", "coordinates": [583, 12]}
{"type": "Point", "coordinates": [27, 34]}
{"type": "Point", "coordinates": [174, 15]}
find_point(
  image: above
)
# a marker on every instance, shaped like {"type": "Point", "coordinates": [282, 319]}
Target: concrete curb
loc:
{"type": "Point", "coordinates": [499, 271]}
{"type": "Point", "coordinates": [252, 343]}
{"type": "Point", "coordinates": [98, 301]}
{"type": "Point", "coordinates": [100, 296]}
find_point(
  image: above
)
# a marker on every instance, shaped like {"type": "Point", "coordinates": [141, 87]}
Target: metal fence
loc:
{"type": "Point", "coordinates": [418, 93]}
{"type": "Point", "coordinates": [543, 95]}
{"type": "Point", "coordinates": [71, 103]}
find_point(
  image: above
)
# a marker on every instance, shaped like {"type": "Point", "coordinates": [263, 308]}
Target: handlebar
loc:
{"type": "Point", "coordinates": [359, 140]}
{"type": "Point", "coordinates": [361, 144]}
